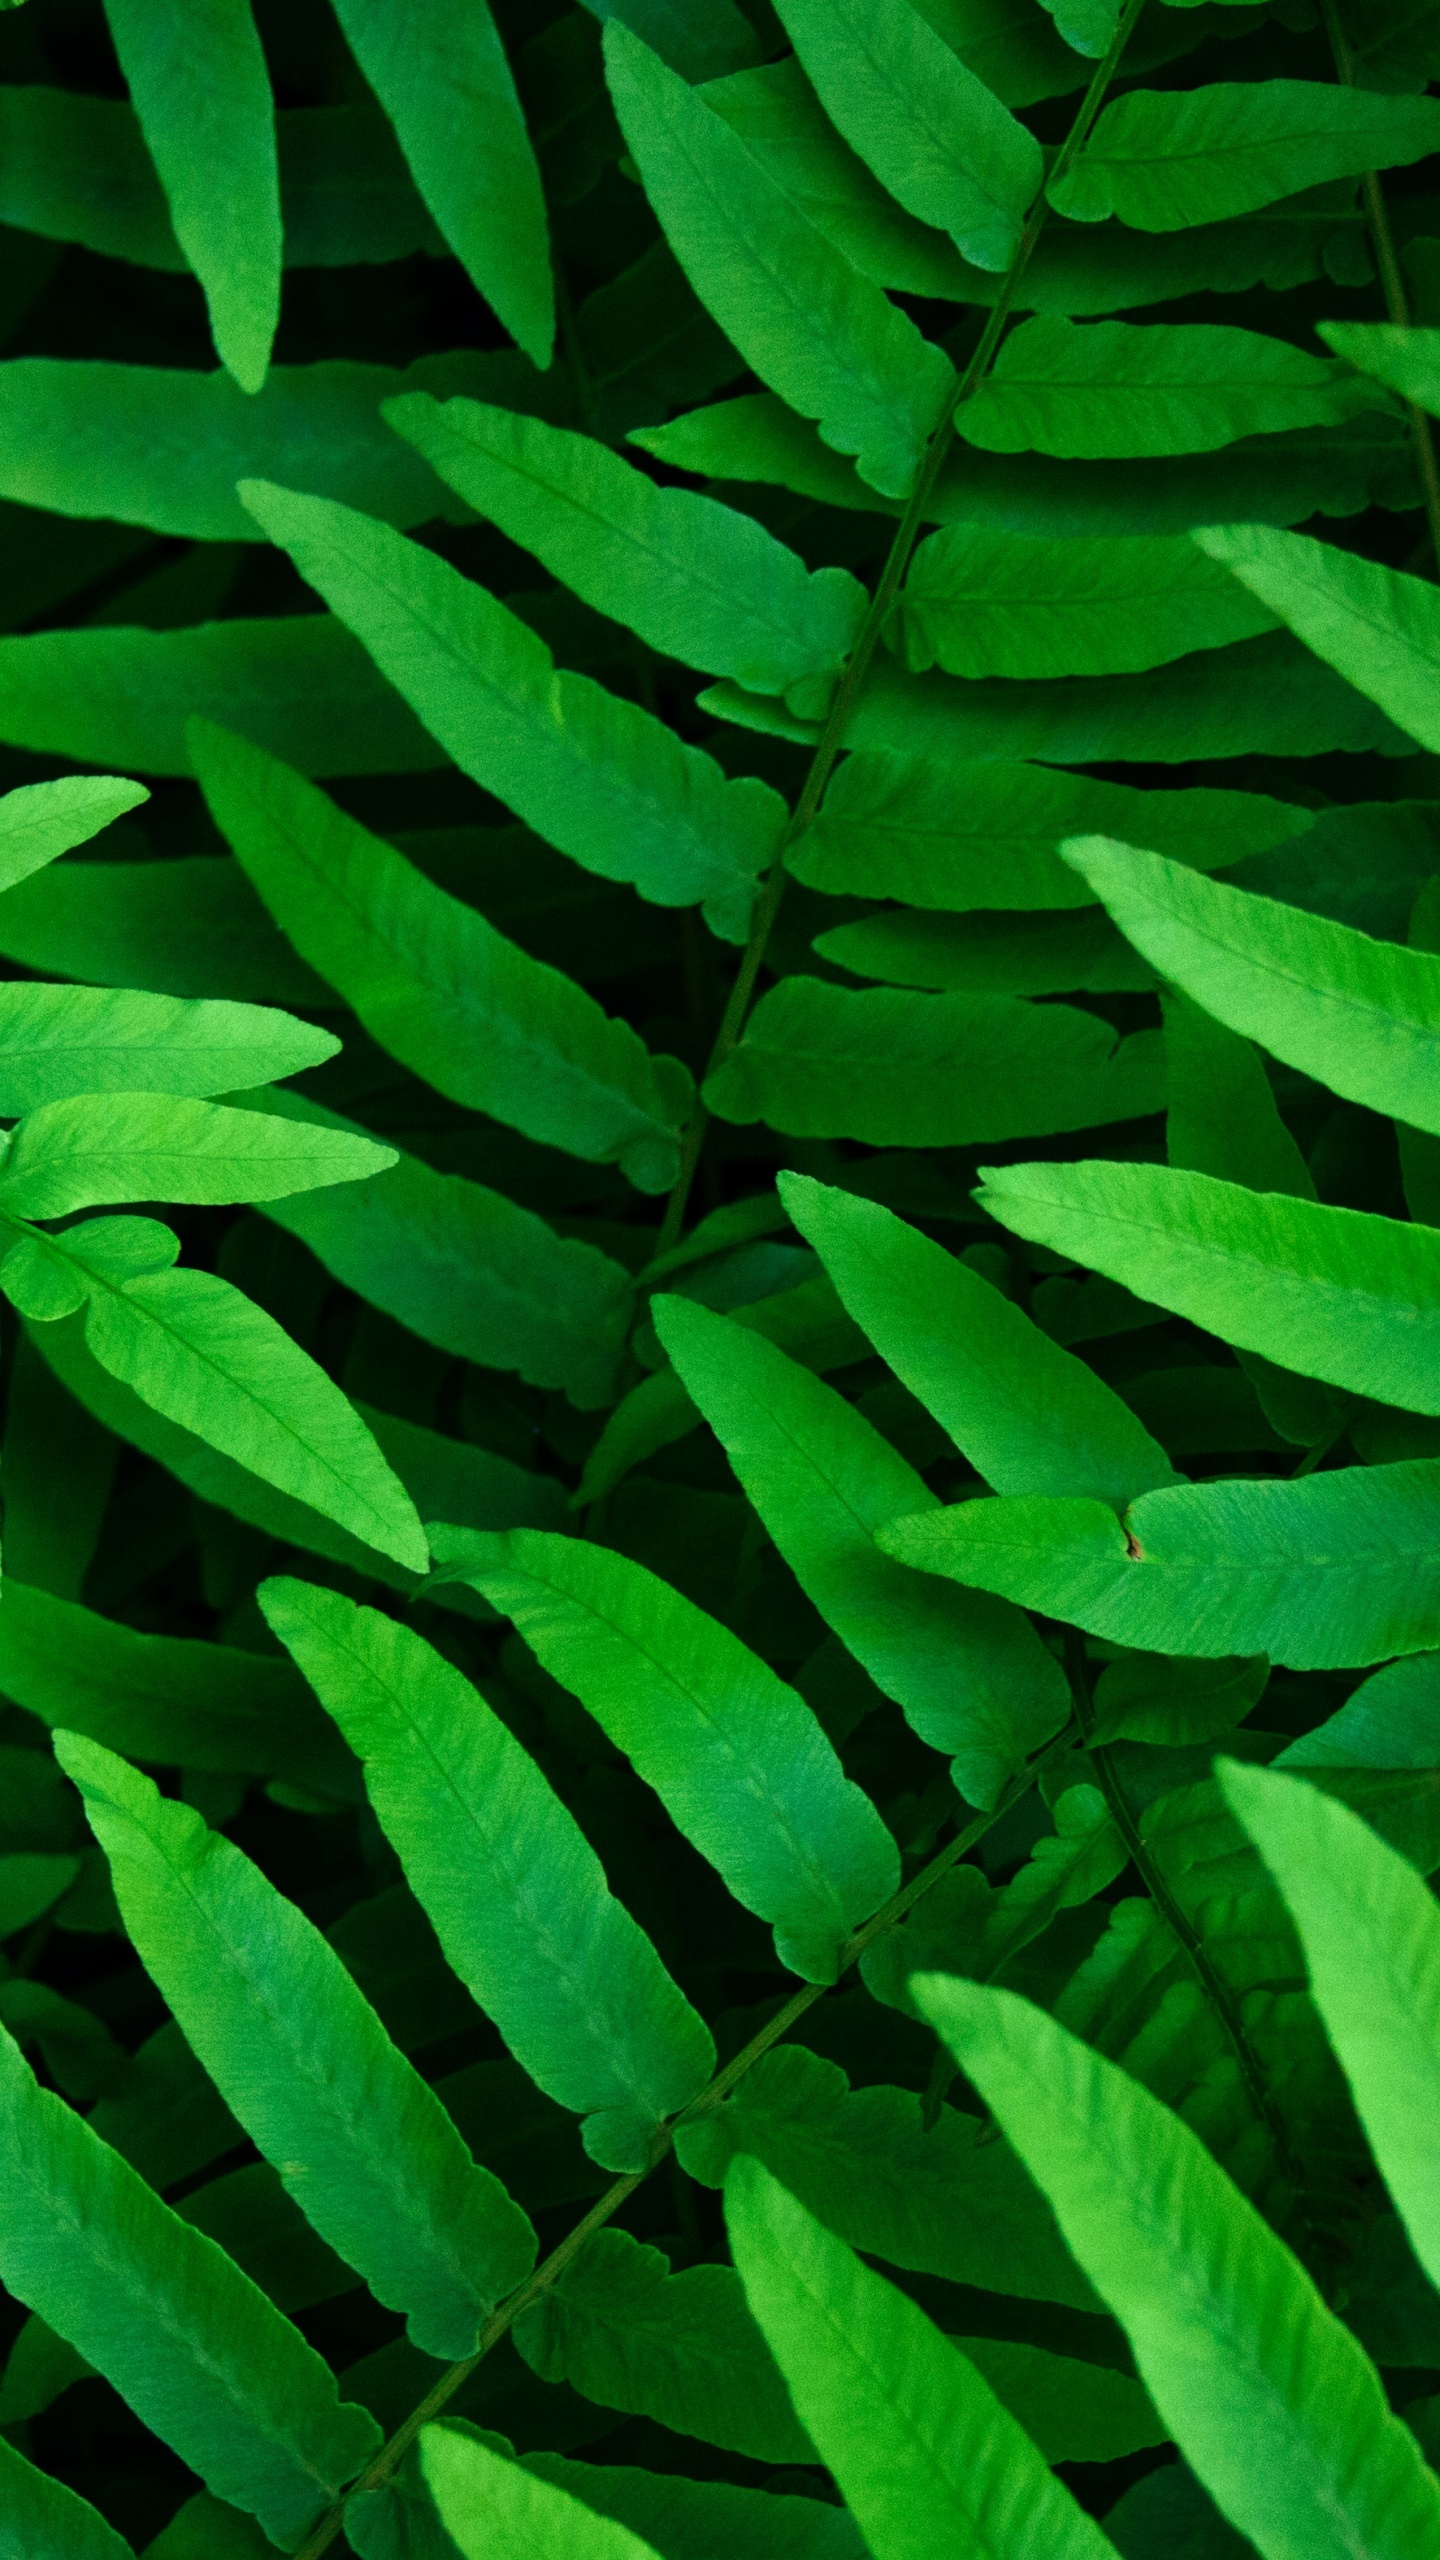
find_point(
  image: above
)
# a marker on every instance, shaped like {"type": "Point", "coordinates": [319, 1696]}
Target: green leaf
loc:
{"type": "Point", "coordinates": [207, 1358]}
{"type": "Point", "coordinates": [473, 1272]}
{"type": "Point", "coordinates": [939, 2199]}
{"type": "Point", "coordinates": [443, 1476]}
{"type": "Point", "coordinates": [208, 118]}
{"type": "Point", "coordinates": [441, 75]}
{"type": "Point", "coordinates": [1270, 2399]}
{"type": "Point", "coordinates": [436, 985]}
{"type": "Point", "coordinates": [299, 685]}
{"type": "Point", "coordinates": [1088, 25]}
{"type": "Point", "coordinates": [1371, 1935]}
{"type": "Point", "coordinates": [809, 1323]}
{"type": "Point", "coordinates": [1029, 1416]}
{"type": "Point", "coordinates": [736, 1756]}
{"type": "Point", "coordinates": [705, 2519]}
{"type": "Point", "coordinates": [363, 2146]}
{"type": "Point", "coordinates": [144, 444]}
{"type": "Point", "coordinates": [1335, 1293]}
{"type": "Point", "coordinates": [1392, 1721]}
{"type": "Point", "coordinates": [516, 1893]}
{"type": "Point", "coordinates": [924, 2452]}
{"type": "Point", "coordinates": [1377, 627]}
{"type": "Point", "coordinates": [970, 835]}
{"type": "Point", "coordinates": [898, 1069]}
{"type": "Point", "coordinates": [75, 168]}
{"type": "Point", "coordinates": [170, 1699]}
{"type": "Point", "coordinates": [596, 776]}
{"type": "Point", "coordinates": [43, 819]}
{"type": "Point", "coordinates": [1160, 159]}
{"type": "Point", "coordinates": [935, 136]}
{"type": "Point", "coordinates": [40, 2519]}
{"type": "Point", "coordinates": [696, 580]}
{"type": "Point", "coordinates": [495, 2509]}
{"type": "Point", "coordinates": [982, 602]}
{"type": "Point", "coordinates": [1320, 1574]}
{"type": "Point", "coordinates": [140, 1146]}
{"type": "Point", "coordinates": [60, 1041]}
{"type": "Point", "coordinates": [679, 2348]}
{"type": "Point", "coordinates": [823, 1480]}
{"type": "Point", "coordinates": [193, 2346]}
{"type": "Point", "coordinates": [1113, 389]}
{"type": "Point", "coordinates": [189, 927]}
{"type": "Point", "coordinates": [698, 38]}
{"type": "Point", "coordinates": [802, 317]}
{"type": "Point", "coordinates": [1407, 361]}
{"type": "Point", "coordinates": [1222, 1117]}
{"type": "Point", "coordinates": [1009, 954]}
{"type": "Point", "coordinates": [1359, 1015]}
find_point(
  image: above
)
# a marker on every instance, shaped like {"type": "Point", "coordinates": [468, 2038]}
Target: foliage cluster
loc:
{"type": "Point", "coordinates": [720, 1219]}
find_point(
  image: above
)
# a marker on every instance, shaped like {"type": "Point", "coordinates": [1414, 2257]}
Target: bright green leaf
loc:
{"type": "Point", "coordinates": [59, 1041]}
{"type": "Point", "coordinates": [495, 2509]}
{"type": "Point", "coordinates": [823, 1480]}
{"type": "Point", "coordinates": [436, 985]}
{"type": "Point", "coordinates": [43, 819]}
{"type": "Point", "coordinates": [924, 2451]}
{"type": "Point", "coordinates": [1269, 2397]}
{"type": "Point", "coordinates": [597, 776]}
{"type": "Point", "coordinates": [361, 2143]}
{"type": "Point", "coordinates": [191, 2343]}
{"type": "Point", "coordinates": [439, 70]}
{"type": "Point", "coordinates": [208, 117]}
{"type": "Point", "coordinates": [1323, 1573]}
{"type": "Point", "coordinates": [696, 580]}
{"type": "Point", "coordinates": [1113, 389]}
{"type": "Point", "coordinates": [734, 1754]}
{"type": "Point", "coordinates": [516, 1893]}
{"type": "Point", "coordinates": [141, 1146]}
{"type": "Point", "coordinates": [1377, 627]}
{"type": "Point", "coordinates": [1336, 1293]}
{"type": "Point", "coordinates": [1029, 1416]}
{"type": "Point", "coordinates": [40, 2519]}
{"type": "Point", "coordinates": [1359, 1015]}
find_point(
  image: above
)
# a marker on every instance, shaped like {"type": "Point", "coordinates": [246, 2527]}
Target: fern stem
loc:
{"type": "Point", "coordinates": [541, 2278]}
{"type": "Point", "coordinates": [857, 668]}
{"type": "Point", "coordinates": [1212, 1981]}
{"type": "Point", "coordinates": [1392, 280]}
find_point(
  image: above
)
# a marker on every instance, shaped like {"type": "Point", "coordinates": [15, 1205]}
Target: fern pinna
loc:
{"type": "Point", "coordinates": [721, 1633]}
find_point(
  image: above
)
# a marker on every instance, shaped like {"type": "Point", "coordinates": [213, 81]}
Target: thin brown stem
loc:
{"type": "Point", "coordinates": [857, 668]}
{"type": "Point", "coordinates": [1392, 282]}
{"type": "Point", "coordinates": [383, 2464]}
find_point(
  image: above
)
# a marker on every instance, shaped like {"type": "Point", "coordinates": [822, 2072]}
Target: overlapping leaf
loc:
{"type": "Point", "coordinates": [597, 776]}
{"type": "Point", "coordinates": [696, 580]}
{"type": "Point", "coordinates": [809, 324]}
{"type": "Point", "coordinates": [517, 1895]}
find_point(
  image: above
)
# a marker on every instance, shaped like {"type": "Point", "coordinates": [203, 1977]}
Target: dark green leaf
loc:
{"type": "Point", "coordinates": [433, 982]}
